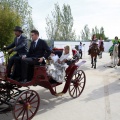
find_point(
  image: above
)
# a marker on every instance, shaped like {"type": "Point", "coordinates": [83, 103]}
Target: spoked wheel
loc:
{"type": "Point", "coordinates": [77, 84]}
{"type": "Point", "coordinates": [26, 105]}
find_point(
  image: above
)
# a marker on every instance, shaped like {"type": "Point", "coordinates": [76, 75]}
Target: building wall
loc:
{"type": "Point", "coordinates": [61, 44]}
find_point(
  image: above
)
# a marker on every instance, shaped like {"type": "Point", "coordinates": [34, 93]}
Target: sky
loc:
{"type": "Point", "coordinates": [100, 13]}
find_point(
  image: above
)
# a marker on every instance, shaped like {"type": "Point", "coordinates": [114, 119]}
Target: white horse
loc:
{"type": "Point", "coordinates": [114, 56]}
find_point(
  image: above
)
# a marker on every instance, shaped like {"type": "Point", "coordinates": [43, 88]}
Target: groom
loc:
{"type": "Point", "coordinates": [38, 52]}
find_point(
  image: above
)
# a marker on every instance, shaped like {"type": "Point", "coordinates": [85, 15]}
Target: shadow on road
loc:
{"type": "Point", "coordinates": [47, 103]}
{"type": "Point", "coordinates": [113, 87]}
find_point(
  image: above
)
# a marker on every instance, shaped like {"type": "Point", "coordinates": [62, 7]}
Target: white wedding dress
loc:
{"type": "Point", "coordinates": [57, 70]}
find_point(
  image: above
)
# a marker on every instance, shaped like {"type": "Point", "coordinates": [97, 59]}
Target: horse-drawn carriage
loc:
{"type": "Point", "coordinates": [24, 103]}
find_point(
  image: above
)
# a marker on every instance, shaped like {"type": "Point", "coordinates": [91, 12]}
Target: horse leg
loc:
{"type": "Point", "coordinates": [118, 64]}
{"type": "Point", "coordinates": [92, 61]}
{"type": "Point", "coordinates": [100, 54]}
{"type": "Point", "coordinates": [111, 59]}
{"type": "Point", "coordinates": [95, 62]}
{"type": "Point", "coordinates": [116, 60]}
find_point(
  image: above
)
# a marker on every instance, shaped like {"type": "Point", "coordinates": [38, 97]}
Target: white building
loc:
{"type": "Point", "coordinates": [61, 44]}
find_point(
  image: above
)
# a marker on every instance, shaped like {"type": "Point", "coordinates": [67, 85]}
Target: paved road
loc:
{"type": "Point", "coordinates": [100, 99]}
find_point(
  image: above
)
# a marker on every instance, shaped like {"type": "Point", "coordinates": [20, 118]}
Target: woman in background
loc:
{"type": "Point", "coordinates": [80, 50]}
{"type": "Point", "coordinates": [94, 41]}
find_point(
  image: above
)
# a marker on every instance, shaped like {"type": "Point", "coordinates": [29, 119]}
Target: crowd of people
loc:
{"type": "Point", "coordinates": [95, 40]}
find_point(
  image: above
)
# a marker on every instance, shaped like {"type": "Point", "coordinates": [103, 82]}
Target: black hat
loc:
{"type": "Point", "coordinates": [18, 28]}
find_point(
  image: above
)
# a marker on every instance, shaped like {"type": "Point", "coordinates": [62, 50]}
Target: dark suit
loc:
{"type": "Point", "coordinates": [41, 50]}
{"type": "Point", "coordinates": [20, 46]}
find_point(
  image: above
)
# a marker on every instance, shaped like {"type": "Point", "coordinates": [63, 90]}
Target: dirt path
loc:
{"type": "Point", "coordinates": [99, 101]}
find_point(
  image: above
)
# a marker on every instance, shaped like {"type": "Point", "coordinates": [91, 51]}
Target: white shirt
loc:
{"type": "Point", "coordinates": [18, 38]}
{"type": "Point", "coordinates": [80, 47]}
{"type": "Point", "coordinates": [36, 42]}
{"type": "Point", "coordinates": [2, 59]}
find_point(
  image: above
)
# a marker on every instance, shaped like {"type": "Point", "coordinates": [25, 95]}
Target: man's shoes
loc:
{"type": "Point", "coordinates": [18, 79]}
{"type": "Point", "coordinates": [11, 76]}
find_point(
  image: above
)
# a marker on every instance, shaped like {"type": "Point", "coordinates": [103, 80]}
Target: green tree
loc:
{"type": "Point", "coordinates": [23, 11]}
{"type": "Point", "coordinates": [59, 27]}
{"type": "Point", "coordinates": [67, 24]}
{"type": "Point", "coordinates": [99, 32]}
{"type": "Point", "coordinates": [85, 33]}
{"type": "Point", "coordinates": [8, 20]}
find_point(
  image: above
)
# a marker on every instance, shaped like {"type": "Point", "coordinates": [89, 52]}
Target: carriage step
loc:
{"type": "Point", "coordinates": [52, 81]}
{"type": "Point", "coordinates": [59, 94]}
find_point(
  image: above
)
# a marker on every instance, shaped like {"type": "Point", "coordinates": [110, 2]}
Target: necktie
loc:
{"type": "Point", "coordinates": [17, 40]}
{"type": "Point", "coordinates": [34, 45]}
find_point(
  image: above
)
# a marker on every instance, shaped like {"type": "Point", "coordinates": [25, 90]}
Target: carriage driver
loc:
{"type": "Point", "coordinates": [19, 45]}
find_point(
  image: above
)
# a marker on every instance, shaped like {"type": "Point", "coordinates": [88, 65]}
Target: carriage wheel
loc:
{"type": "Point", "coordinates": [26, 105]}
{"type": "Point", "coordinates": [77, 84]}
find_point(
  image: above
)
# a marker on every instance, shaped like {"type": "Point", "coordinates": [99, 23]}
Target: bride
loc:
{"type": "Point", "coordinates": [57, 69]}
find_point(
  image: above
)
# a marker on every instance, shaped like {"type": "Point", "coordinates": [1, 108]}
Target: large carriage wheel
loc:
{"type": "Point", "coordinates": [77, 84]}
{"type": "Point", "coordinates": [26, 105]}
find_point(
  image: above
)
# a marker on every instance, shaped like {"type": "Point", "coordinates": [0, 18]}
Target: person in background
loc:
{"type": "Point", "coordinates": [94, 41]}
{"type": "Point", "coordinates": [101, 46]}
{"type": "Point", "coordinates": [100, 41]}
{"type": "Point", "coordinates": [115, 41]}
{"type": "Point", "coordinates": [80, 50]}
